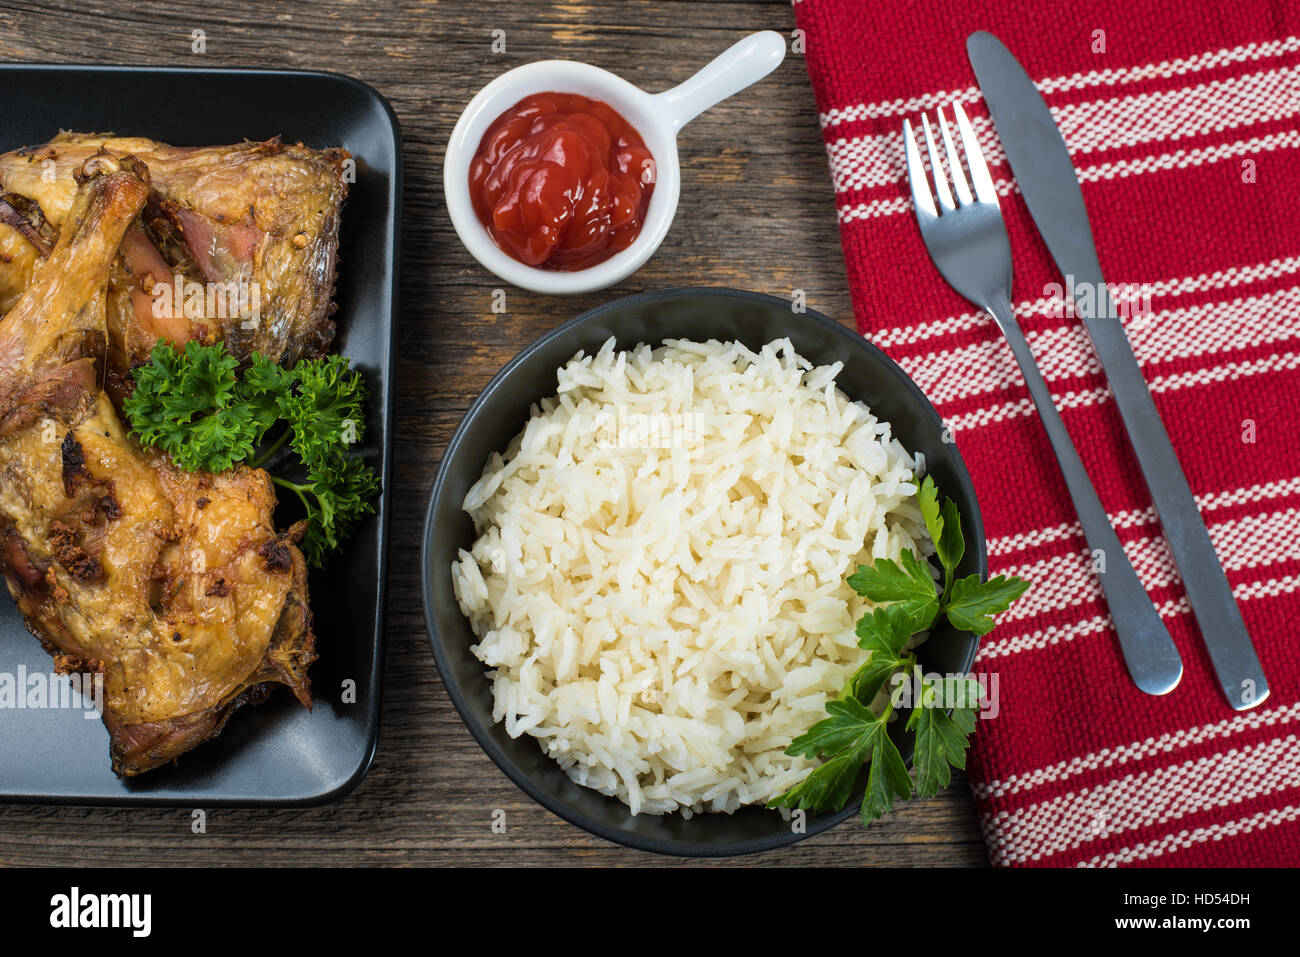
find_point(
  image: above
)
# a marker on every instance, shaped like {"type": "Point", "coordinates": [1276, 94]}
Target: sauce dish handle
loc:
{"type": "Point", "coordinates": [740, 65]}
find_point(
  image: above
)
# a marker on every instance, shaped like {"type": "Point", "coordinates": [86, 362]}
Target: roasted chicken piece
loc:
{"type": "Point", "coordinates": [252, 227]}
{"type": "Point", "coordinates": [18, 259]}
{"type": "Point", "coordinates": [175, 586]}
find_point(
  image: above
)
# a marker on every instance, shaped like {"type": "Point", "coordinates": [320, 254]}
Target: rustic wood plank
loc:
{"type": "Point", "coordinates": [756, 212]}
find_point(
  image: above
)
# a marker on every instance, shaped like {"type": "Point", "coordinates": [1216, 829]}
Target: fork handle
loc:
{"type": "Point", "coordinates": [1152, 659]}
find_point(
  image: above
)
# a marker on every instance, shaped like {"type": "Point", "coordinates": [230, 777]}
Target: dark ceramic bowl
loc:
{"type": "Point", "coordinates": [500, 413]}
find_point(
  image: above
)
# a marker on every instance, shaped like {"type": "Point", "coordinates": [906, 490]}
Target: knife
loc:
{"type": "Point", "coordinates": [1045, 174]}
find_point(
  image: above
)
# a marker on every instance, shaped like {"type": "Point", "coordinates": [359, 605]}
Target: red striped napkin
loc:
{"type": "Point", "coordinates": [1184, 123]}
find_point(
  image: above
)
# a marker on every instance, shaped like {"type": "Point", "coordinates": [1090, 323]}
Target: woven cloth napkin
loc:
{"type": "Point", "coordinates": [1184, 124]}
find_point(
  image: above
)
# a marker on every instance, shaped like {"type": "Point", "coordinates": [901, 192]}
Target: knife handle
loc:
{"type": "Point", "coordinates": [1149, 653]}
{"type": "Point", "coordinates": [1231, 652]}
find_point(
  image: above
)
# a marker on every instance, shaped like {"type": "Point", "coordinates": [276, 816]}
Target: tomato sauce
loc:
{"type": "Point", "coordinates": [561, 181]}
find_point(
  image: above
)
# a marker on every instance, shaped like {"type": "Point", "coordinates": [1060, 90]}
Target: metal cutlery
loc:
{"type": "Point", "coordinates": [967, 239]}
{"type": "Point", "coordinates": [1046, 177]}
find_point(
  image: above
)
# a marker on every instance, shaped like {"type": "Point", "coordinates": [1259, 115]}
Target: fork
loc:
{"type": "Point", "coordinates": [967, 239]}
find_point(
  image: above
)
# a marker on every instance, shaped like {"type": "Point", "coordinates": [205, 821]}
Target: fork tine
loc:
{"type": "Point", "coordinates": [979, 170]}
{"type": "Point", "coordinates": [940, 179]}
{"type": "Point", "coordinates": [954, 164]}
{"type": "Point", "coordinates": [921, 197]}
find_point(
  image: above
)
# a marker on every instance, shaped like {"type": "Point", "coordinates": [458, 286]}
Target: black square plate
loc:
{"type": "Point", "coordinates": [276, 753]}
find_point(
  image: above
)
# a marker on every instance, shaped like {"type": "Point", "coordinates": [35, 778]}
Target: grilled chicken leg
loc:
{"type": "Point", "coordinates": [252, 220]}
{"type": "Point", "coordinates": [175, 586]}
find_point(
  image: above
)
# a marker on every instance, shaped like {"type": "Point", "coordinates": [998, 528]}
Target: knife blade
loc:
{"type": "Point", "coordinates": [1045, 173]}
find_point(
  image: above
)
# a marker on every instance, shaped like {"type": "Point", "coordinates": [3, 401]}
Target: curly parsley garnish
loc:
{"type": "Point", "coordinates": [853, 734]}
{"type": "Point", "coordinates": [196, 407]}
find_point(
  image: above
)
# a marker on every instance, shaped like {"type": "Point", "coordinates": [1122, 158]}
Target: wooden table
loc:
{"type": "Point", "coordinates": [757, 212]}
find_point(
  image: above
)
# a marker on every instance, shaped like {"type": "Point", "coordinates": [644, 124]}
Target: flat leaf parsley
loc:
{"type": "Point", "coordinates": [909, 601]}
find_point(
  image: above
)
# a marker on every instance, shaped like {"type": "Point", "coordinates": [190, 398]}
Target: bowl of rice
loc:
{"type": "Point", "coordinates": [635, 556]}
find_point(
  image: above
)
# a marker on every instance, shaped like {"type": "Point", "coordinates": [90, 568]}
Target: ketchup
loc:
{"type": "Point", "coordinates": [561, 181]}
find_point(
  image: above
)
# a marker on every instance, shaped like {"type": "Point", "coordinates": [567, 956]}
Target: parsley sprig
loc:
{"type": "Point", "coordinates": [908, 601]}
{"type": "Point", "coordinates": [196, 407]}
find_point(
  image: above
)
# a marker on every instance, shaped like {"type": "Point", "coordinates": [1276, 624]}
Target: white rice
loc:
{"type": "Point", "coordinates": [659, 578]}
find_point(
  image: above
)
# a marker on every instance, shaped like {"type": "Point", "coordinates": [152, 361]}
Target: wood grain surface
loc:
{"type": "Point", "coordinates": [757, 212]}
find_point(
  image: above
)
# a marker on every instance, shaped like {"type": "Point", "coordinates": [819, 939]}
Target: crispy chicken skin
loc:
{"type": "Point", "coordinates": [18, 258]}
{"type": "Point", "coordinates": [254, 214]}
{"type": "Point", "coordinates": [176, 586]}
